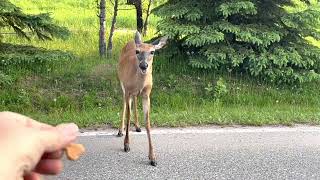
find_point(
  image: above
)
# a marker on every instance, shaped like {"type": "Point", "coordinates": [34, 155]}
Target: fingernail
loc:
{"type": "Point", "coordinates": [69, 130]}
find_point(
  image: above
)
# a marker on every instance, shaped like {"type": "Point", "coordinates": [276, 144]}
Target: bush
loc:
{"type": "Point", "coordinates": [218, 90]}
{"type": "Point", "coordinates": [29, 57]}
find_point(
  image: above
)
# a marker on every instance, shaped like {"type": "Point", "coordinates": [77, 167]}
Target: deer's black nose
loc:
{"type": "Point", "coordinates": [143, 66]}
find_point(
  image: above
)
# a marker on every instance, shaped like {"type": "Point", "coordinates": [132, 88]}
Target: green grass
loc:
{"type": "Point", "coordinates": [86, 90]}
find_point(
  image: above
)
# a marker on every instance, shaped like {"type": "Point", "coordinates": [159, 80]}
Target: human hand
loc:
{"type": "Point", "coordinates": [29, 148]}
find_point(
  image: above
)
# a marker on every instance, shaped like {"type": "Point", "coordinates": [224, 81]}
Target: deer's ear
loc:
{"type": "Point", "coordinates": [137, 38]}
{"type": "Point", "coordinates": [159, 43]}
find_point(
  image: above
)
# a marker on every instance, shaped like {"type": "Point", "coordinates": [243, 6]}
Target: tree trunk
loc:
{"type": "Point", "coordinates": [138, 6]}
{"type": "Point", "coordinates": [102, 31]}
{"type": "Point", "coordinates": [139, 16]}
{"type": "Point", "coordinates": [145, 27]}
{"type": "Point", "coordinates": [114, 20]}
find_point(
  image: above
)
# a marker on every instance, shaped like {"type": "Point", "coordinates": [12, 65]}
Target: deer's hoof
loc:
{"type": "Point", "coordinates": [126, 148]}
{"type": "Point", "coordinates": [120, 134]}
{"type": "Point", "coordinates": [153, 163]}
{"type": "Point", "coordinates": [138, 129]}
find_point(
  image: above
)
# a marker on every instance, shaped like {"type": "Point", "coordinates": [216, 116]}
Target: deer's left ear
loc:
{"type": "Point", "coordinates": [137, 38]}
{"type": "Point", "coordinates": [158, 44]}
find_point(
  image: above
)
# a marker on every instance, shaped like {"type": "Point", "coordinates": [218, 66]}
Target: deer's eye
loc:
{"type": "Point", "coordinates": [152, 52]}
{"type": "Point", "coordinates": [137, 52]}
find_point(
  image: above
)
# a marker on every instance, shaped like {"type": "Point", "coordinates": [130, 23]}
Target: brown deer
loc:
{"type": "Point", "coordinates": [135, 75]}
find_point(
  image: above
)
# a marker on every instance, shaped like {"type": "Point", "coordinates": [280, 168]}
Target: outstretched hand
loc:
{"type": "Point", "coordinates": [29, 148]}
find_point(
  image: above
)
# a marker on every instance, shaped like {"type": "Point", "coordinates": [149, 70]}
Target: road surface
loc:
{"type": "Point", "coordinates": [201, 153]}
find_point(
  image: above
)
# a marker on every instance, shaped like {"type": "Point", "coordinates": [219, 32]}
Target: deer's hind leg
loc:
{"type": "Point", "coordinates": [136, 120]}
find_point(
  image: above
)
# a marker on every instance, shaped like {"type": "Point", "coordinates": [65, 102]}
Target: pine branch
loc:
{"type": "Point", "coordinates": [40, 25]}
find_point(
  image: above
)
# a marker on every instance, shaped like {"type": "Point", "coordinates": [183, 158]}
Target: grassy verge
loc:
{"type": "Point", "coordinates": [205, 114]}
{"type": "Point", "coordinates": [86, 90]}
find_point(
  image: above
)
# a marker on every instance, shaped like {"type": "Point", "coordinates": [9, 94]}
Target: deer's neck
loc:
{"type": "Point", "coordinates": [136, 80]}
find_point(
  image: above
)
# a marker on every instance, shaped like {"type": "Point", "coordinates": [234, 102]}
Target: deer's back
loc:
{"type": "Point", "coordinates": [127, 60]}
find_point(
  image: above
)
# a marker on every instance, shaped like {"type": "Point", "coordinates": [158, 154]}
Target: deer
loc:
{"type": "Point", "coordinates": [135, 76]}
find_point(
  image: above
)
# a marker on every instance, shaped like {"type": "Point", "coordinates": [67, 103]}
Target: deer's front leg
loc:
{"type": "Point", "coordinates": [146, 111]}
{"type": "Point", "coordinates": [121, 128]}
{"type": "Point", "coordinates": [136, 120]}
{"type": "Point", "coordinates": [126, 139]}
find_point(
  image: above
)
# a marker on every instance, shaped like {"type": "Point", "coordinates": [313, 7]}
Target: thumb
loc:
{"type": "Point", "coordinates": [57, 138]}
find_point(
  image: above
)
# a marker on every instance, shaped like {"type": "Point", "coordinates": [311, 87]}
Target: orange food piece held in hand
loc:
{"type": "Point", "coordinates": [74, 151]}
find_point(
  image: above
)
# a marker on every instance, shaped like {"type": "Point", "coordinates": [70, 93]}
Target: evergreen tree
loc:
{"type": "Point", "coordinates": [260, 37]}
{"type": "Point", "coordinates": [41, 25]}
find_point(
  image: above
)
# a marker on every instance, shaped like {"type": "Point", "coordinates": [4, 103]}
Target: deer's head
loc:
{"type": "Point", "coordinates": [145, 52]}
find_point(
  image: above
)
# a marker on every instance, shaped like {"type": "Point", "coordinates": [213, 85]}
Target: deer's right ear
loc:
{"type": "Point", "coordinates": [137, 38]}
{"type": "Point", "coordinates": [159, 43]}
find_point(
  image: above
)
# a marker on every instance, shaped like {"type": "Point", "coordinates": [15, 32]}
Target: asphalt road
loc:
{"type": "Point", "coordinates": [201, 153]}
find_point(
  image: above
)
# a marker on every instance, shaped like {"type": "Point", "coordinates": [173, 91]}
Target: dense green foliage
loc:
{"type": "Point", "coordinates": [13, 19]}
{"type": "Point", "coordinates": [262, 38]}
